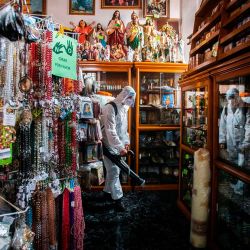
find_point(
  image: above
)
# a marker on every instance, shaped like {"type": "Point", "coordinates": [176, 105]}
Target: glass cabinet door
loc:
{"type": "Point", "coordinates": [234, 122]}
{"type": "Point", "coordinates": [112, 82]}
{"type": "Point", "coordinates": [159, 98]}
{"type": "Point", "coordinates": [187, 169]}
{"type": "Point", "coordinates": [195, 111]}
{"type": "Point", "coordinates": [159, 156]}
{"type": "Point", "coordinates": [233, 215]}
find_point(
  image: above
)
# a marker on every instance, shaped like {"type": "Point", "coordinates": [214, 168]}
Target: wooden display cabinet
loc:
{"type": "Point", "coordinates": [205, 37]}
{"type": "Point", "coordinates": [157, 123]}
{"type": "Point", "coordinates": [196, 131]}
{"type": "Point", "coordinates": [112, 77]}
{"type": "Point", "coordinates": [221, 31]}
{"type": "Point", "coordinates": [231, 149]}
{"type": "Point", "coordinates": [230, 164]}
{"type": "Point", "coordinates": [235, 30]}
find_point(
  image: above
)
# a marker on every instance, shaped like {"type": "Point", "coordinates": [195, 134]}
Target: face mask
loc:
{"type": "Point", "coordinates": [129, 102]}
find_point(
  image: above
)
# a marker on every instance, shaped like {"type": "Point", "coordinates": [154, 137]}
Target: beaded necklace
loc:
{"type": "Point", "coordinates": [61, 144]}
{"type": "Point", "coordinates": [51, 217]}
{"type": "Point", "coordinates": [9, 79]}
{"type": "Point", "coordinates": [48, 65]}
{"type": "Point", "coordinates": [44, 220]}
{"type": "Point", "coordinates": [25, 148]}
{"type": "Point", "coordinates": [37, 223]}
{"type": "Point", "coordinates": [68, 150]}
{"type": "Point", "coordinates": [65, 220]}
{"type": "Point", "coordinates": [74, 143]}
{"type": "Point", "coordinates": [79, 223]}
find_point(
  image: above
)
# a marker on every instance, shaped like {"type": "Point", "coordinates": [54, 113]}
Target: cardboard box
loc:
{"type": "Point", "coordinates": [97, 173]}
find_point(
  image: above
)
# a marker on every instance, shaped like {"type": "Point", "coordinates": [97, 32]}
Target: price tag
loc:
{"type": "Point", "coordinates": [9, 116]}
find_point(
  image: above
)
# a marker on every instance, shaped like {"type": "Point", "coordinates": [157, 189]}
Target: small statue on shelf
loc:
{"type": "Point", "coordinates": [116, 30]}
{"type": "Point", "coordinates": [83, 29]}
{"type": "Point", "coordinates": [117, 53]}
{"type": "Point", "coordinates": [134, 33]}
{"type": "Point", "coordinates": [84, 55]}
{"type": "Point", "coordinates": [107, 53]}
{"type": "Point", "coordinates": [137, 56]}
{"type": "Point", "coordinates": [98, 35]}
{"type": "Point", "coordinates": [91, 53]}
{"type": "Point", "coordinates": [148, 55]}
{"type": "Point", "coordinates": [130, 54]}
{"type": "Point", "coordinates": [149, 31]}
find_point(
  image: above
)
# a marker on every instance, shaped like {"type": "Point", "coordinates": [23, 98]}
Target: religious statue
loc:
{"type": "Point", "coordinates": [148, 31]}
{"type": "Point", "coordinates": [98, 35]}
{"type": "Point", "coordinates": [83, 29]}
{"type": "Point", "coordinates": [134, 33]}
{"type": "Point", "coordinates": [107, 53]}
{"type": "Point", "coordinates": [115, 30]}
{"type": "Point", "coordinates": [117, 53]}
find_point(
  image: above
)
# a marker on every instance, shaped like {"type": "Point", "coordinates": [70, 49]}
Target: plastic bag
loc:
{"type": "Point", "coordinates": [11, 23]}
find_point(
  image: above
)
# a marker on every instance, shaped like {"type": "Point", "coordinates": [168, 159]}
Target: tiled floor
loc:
{"type": "Point", "coordinates": [151, 222]}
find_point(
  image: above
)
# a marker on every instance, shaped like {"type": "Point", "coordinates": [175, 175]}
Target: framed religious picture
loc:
{"type": "Point", "coordinates": [156, 8]}
{"type": "Point", "coordinates": [87, 110]}
{"type": "Point", "coordinates": [37, 7]}
{"type": "Point", "coordinates": [82, 7]}
{"type": "Point", "coordinates": [91, 152]}
{"type": "Point", "coordinates": [121, 4]}
{"type": "Point", "coordinates": [82, 131]}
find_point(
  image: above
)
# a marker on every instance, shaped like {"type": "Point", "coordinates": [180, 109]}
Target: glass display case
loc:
{"type": "Point", "coordinates": [159, 156]}
{"type": "Point", "coordinates": [234, 122]}
{"type": "Point", "coordinates": [111, 82]}
{"type": "Point", "coordinates": [194, 119]}
{"type": "Point", "coordinates": [187, 162]}
{"type": "Point", "coordinates": [157, 126]}
{"type": "Point", "coordinates": [196, 132]}
{"type": "Point", "coordinates": [108, 78]}
{"type": "Point", "coordinates": [159, 98]}
{"type": "Point", "coordinates": [233, 212]}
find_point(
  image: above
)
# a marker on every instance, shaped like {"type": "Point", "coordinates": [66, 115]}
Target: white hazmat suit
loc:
{"type": "Point", "coordinates": [234, 132]}
{"type": "Point", "coordinates": [116, 137]}
{"type": "Point", "coordinates": [232, 126]}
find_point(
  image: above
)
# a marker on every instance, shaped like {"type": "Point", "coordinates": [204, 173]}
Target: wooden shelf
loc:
{"type": "Point", "coordinates": [187, 149]}
{"type": "Point", "coordinates": [209, 23]}
{"type": "Point", "coordinates": [157, 187]}
{"type": "Point", "coordinates": [235, 17]}
{"type": "Point", "coordinates": [205, 43]}
{"type": "Point", "coordinates": [158, 128]}
{"type": "Point", "coordinates": [232, 4]}
{"type": "Point", "coordinates": [105, 66]}
{"type": "Point", "coordinates": [184, 209]}
{"type": "Point", "coordinates": [202, 65]}
{"type": "Point", "coordinates": [234, 50]}
{"type": "Point", "coordinates": [229, 37]}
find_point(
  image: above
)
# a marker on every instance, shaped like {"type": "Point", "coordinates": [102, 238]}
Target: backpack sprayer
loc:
{"type": "Point", "coordinates": [117, 159]}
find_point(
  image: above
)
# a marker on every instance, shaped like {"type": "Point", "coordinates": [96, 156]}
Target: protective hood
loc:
{"type": "Point", "coordinates": [126, 97]}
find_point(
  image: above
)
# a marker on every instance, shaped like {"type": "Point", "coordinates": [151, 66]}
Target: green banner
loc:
{"type": "Point", "coordinates": [64, 56]}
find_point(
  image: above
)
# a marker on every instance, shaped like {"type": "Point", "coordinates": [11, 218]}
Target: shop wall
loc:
{"type": "Point", "coordinates": [59, 9]}
{"type": "Point", "coordinates": [186, 9]}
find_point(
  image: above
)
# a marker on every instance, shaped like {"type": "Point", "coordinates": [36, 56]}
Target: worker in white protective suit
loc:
{"type": "Point", "coordinates": [234, 133]}
{"type": "Point", "coordinates": [116, 138]}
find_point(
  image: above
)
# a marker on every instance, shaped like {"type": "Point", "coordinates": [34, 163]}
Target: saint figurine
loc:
{"type": "Point", "coordinates": [98, 35]}
{"type": "Point", "coordinates": [83, 29]}
{"type": "Point", "coordinates": [148, 31]}
{"type": "Point", "coordinates": [134, 33]}
{"type": "Point", "coordinates": [116, 30]}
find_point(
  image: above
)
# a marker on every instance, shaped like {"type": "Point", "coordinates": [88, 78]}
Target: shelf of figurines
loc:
{"type": "Point", "coordinates": [144, 43]}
